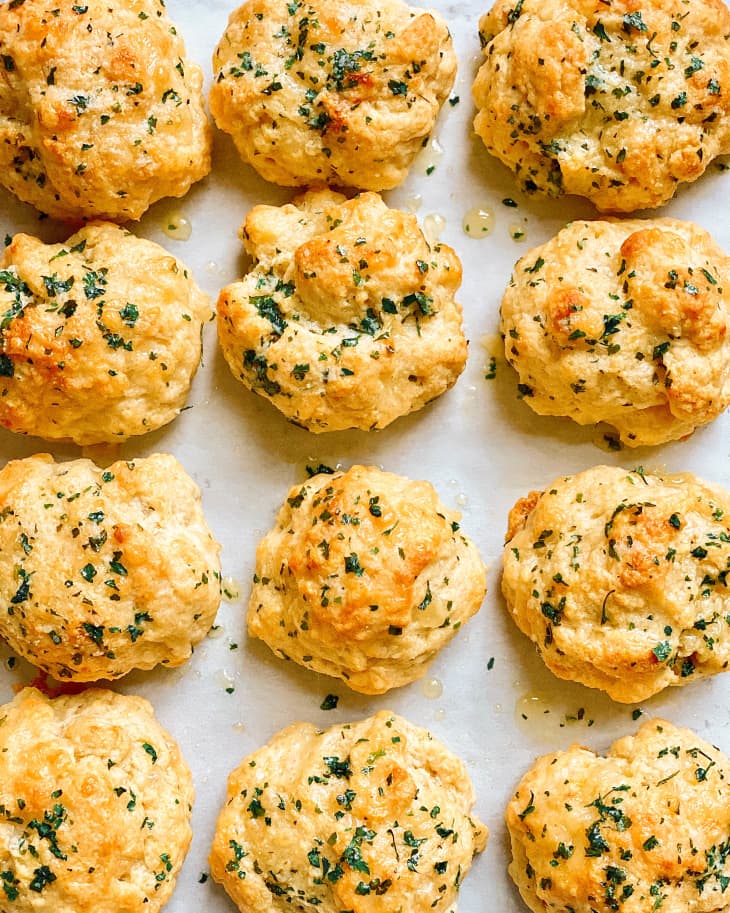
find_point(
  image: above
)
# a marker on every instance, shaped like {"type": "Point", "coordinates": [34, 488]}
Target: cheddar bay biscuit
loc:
{"type": "Point", "coordinates": [104, 571]}
{"type": "Point", "coordinates": [348, 317]}
{"type": "Point", "coordinates": [618, 102]}
{"type": "Point", "coordinates": [101, 112]}
{"type": "Point", "coordinates": [100, 337]}
{"type": "Point", "coordinates": [328, 92]}
{"type": "Point", "coordinates": [621, 578]}
{"type": "Point", "coordinates": [370, 817]}
{"type": "Point", "coordinates": [623, 322]}
{"type": "Point", "coordinates": [365, 576]}
{"type": "Point", "coordinates": [96, 802]}
{"type": "Point", "coordinates": [642, 828]}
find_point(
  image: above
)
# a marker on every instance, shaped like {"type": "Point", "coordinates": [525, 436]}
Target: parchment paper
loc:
{"type": "Point", "coordinates": [479, 445]}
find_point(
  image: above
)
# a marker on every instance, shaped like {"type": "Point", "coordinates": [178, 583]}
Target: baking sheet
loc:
{"type": "Point", "coordinates": [479, 445]}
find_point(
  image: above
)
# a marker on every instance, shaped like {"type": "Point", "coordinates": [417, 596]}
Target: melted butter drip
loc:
{"type": "Point", "coordinates": [230, 588]}
{"type": "Point", "coordinates": [433, 226]}
{"type": "Point", "coordinates": [177, 226]}
{"type": "Point", "coordinates": [432, 688]}
{"type": "Point", "coordinates": [478, 222]}
{"type": "Point", "coordinates": [225, 679]}
{"type": "Point", "coordinates": [429, 157]}
{"type": "Point", "coordinates": [544, 715]}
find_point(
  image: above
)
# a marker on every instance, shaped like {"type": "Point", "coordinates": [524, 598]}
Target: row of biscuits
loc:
{"type": "Point", "coordinates": [348, 319]}
{"type": "Point", "coordinates": [102, 113]}
{"type": "Point", "coordinates": [619, 578]}
{"type": "Point", "coordinates": [373, 815]}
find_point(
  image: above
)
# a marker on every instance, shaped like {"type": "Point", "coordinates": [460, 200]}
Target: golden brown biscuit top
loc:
{"type": "Point", "coordinates": [341, 93]}
{"type": "Point", "coordinates": [99, 337]}
{"type": "Point", "coordinates": [368, 816]}
{"type": "Point", "coordinates": [365, 576]}
{"type": "Point", "coordinates": [643, 828]}
{"type": "Point", "coordinates": [104, 570]}
{"type": "Point", "coordinates": [614, 101]}
{"type": "Point", "coordinates": [100, 109]}
{"type": "Point", "coordinates": [348, 318]}
{"type": "Point", "coordinates": [95, 804]}
{"type": "Point", "coordinates": [359, 543]}
{"type": "Point", "coordinates": [346, 258]}
{"type": "Point", "coordinates": [625, 322]}
{"type": "Point", "coordinates": [621, 578]}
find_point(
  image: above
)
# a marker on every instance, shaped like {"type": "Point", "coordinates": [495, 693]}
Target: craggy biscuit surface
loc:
{"type": "Point", "coordinates": [621, 578]}
{"type": "Point", "coordinates": [95, 803]}
{"type": "Point", "coordinates": [623, 322]}
{"type": "Point", "coordinates": [348, 318]}
{"type": "Point", "coordinates": [643, 828]}
{"type": "Point", "coordinates": [618, 102]}
{"type": "Point", "coordinates": [101, 113]}
{"type": "Point", "coordinates": [104, 571]}
{"type": "Point", "coordinates": [365, 576]}
{"type": "Point", "coordinates": [100, 337]}
{"type": "Point", "coordinates": [322, 91]}
{"type": "Point", "coordinates": [369, 817]}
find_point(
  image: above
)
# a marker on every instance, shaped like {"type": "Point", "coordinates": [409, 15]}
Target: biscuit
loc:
{"type": "Point", "coordinates": [643, 828]}
{"type": "Point", "coordinates": [326, 92]}
{"type": "Point", "coordinates": [620, 578]}
{"type": "Point", "coordinates": [101, 113]}
{"type": "Point", "coordinates": [617, 102]}
{"type": "Point", "coordinates": [368, 817]}
{"type": "Point", "coordinates": [365, 576]}
{"type": "Point", "coordinates": [95, 803]}
{"type": "Point", "coordinates": [104, 571]}
{"type": "Point", "coordinates": [626, 323]}
{"type": "Point", "coordinates": [100, 337]}
{"type": "Point", "coordinates": [348, 318]}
